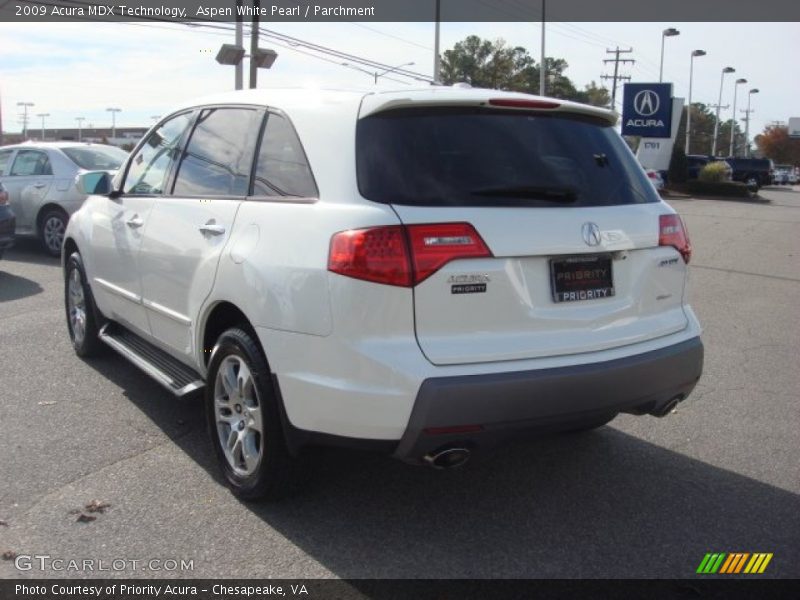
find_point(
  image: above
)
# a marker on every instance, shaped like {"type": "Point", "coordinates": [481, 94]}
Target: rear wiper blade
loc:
{"type": "Point", "coordinates": [553, 194]}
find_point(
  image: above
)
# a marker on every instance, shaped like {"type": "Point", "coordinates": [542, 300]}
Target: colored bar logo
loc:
{"type": "Point", "coordinates": [734, 563]}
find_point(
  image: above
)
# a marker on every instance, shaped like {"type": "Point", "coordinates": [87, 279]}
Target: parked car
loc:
{"type": "Point", "coordinates": [655, 178]}
{"type": "Point", "coordinates": [782, 174]}
{"type": "Point", "coordinates": [7, 222]}
{"type": "Point", "coordinates": [40, 180]}
{"type": "Point", "coordinates": [351, 268]}
{"type": "Point", "coordinates": [755, 172]}
{"type": "Point", "coordinates": [696, 162]}
{"type": "Point", "coordinates": [794, 176]}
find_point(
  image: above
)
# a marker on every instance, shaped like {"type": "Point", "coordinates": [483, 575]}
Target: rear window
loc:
{"type": "Point", "coordinates": [483, 157]}
{"type": "Point", "coordinates": [96, 158]}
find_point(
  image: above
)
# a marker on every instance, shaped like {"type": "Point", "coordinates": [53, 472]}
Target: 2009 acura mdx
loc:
{"type": "Point", "coordinates": [422, 272]}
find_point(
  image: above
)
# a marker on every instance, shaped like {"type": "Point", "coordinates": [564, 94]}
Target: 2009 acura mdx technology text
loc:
{"type": "Point", "coordinates": [423, 272]}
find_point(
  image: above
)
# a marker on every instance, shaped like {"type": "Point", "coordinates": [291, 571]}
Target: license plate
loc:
{"type": "Point", "coordinates": [581, 278]}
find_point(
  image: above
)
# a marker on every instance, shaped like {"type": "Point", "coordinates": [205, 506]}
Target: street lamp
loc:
{"type": "Point", "coordinates": [739, 81]}
{"type": "Point", "coordinates": [80, 121]}
{"type": "Point", "coordinates": [25, 106]}
{"type": "Point", "coordinates": [665, 34]}
{"type": "Point", "coordinates": [232, 54]}
{"type": "Point", "coordinates": [43, 116]}
{"type": "Point", "coordinates": [113, 112]}
{"type": "Point", "coordinates": [689, 111]}
{"type": "Point", "coordinates": [725, 71]}
{"type": "Point", "coordinates": [747, 122]}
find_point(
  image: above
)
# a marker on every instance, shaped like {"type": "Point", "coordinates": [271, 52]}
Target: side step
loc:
{"type": "Point", "coordinates": [169, 372]}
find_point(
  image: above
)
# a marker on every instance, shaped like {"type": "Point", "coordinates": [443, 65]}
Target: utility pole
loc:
{"type": "Point", "coordinates": [616, 76]}
{"type": "Point", "coordinates": [437, 61]}
{"type": "Point", "coordinates": [543, 64]}
{"type": "Point", "coordinates": [80, 121]}
{"type": "Point", "coordinates": [746, 120]}
{"type": "Point", "coordinates": [25, 106]}
{"type": "Point", "coordinates": [254, 45]}
{"type": "Point", "coordinates": [43, 117]}
{"type": "Point", "coordinates": [239, 76]}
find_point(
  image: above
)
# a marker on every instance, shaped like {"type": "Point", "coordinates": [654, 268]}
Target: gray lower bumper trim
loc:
{"type": "Point", "coordinates": [530, 399]}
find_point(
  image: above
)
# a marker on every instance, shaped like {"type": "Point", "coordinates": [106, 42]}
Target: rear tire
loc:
{"type": "Point", "coordinates": [80, 308]}
{"type": "Point", "coordinates": [52, 226]}
{"type": "Point", "coordinates": [244, 421]}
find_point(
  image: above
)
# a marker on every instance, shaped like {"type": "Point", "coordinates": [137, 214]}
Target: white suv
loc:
{"type": "Point", "coordinates": [420, 272]}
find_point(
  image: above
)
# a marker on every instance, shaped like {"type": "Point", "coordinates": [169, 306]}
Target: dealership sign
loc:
{"type": "Point", "coordinates": [647, 110]}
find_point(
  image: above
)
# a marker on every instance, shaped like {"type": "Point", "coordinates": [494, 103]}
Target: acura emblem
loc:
{"type": "Point", "coordinates": [591, 234]}
{"type": "Point", "coordinates": [646, 103]}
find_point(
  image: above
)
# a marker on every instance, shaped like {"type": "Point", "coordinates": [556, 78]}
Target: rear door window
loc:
{"type": "Point", "coordinates": [30, 163]}
{"type": "Point", "coordinates": [219, 156]}
{"type": "Point", "coordinates": [5, 162]}
{"type": "Point", "coordinates": [484, 157]}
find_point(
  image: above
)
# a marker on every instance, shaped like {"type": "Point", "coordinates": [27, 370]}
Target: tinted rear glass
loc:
{"type": "Point", "coordinates": [96, 158]}
{"type": "Point", "coordinates": [480, 157]}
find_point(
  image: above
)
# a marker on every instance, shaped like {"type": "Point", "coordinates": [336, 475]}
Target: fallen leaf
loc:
{"type": "Point", "coordinates": [3, 523]}
{"type": "Point", "coordinates": [97, 506]}
{"type": "Point", "coordinates": [86, 518]}
{"type": "Point", "coordinates": [47, 402]}
{"type": "Point", "coordinates": [75, 511]}
{"type": "Point", "coordinates": [9, 555]}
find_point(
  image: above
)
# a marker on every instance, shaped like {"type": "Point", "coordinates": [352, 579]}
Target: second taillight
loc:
{"type": "Point", "coordinates": [671, 232]}
{"type": "Point", "coordinates": [403, 255]}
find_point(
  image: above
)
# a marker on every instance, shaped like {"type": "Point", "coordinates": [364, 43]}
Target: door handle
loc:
{"type": "Point", "coordinates": [134, 222]}
{"type": "Point", "coordinates": [39, 185]}
{"type": "Point", "coordinates": [212, 228]}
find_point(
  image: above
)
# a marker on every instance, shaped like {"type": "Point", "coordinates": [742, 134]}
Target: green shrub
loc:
{"type": "Point", "coordinates": [733, 189]}
{"type": "Point", "coordinates": [713, 172]}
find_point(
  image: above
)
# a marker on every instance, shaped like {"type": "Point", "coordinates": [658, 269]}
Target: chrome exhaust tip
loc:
{"type": "Point", "coordinates": [668, 408]}
{"type": "Point", "coordinates": [448, 458]}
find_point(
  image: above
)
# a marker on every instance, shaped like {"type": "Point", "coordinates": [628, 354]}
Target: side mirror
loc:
{"type": "Point", "coordinates": [95, 182]}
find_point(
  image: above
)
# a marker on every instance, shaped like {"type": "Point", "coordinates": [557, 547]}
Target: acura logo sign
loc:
{"type": "Point", "coordinates": [646, 103]}
{"type": "Point", "coordinates": [591, 234]}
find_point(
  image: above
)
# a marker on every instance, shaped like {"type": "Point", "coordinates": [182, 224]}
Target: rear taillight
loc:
{"type": "Point", "coordinates": [403, 255]}
{"type": "Point", "coordinates": [671, 232]}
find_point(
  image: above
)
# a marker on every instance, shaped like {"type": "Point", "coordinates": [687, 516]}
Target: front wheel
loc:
{"type": "Point", "coordinates": [244, 420]}
{"type": "Point", "coordinates": [79, 305]}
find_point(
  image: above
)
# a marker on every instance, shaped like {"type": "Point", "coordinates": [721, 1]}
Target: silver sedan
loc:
{"type": "Point", "coordinates": [40, 181]}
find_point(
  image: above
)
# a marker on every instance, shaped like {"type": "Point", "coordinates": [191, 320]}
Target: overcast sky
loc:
{"type": "Point", "coordinates": [79, 69]}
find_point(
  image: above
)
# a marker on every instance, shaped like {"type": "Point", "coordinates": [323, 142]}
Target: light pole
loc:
{"type": "Point", "coordinates": [155, 117]}
{"type": "Point", "coordinates": [725, 71]}
{"type": "Point", "coordinates": [747, 122]}
{"type": "Point", "coordinates": [80, 121]}
{"type": "Point", "coordinates": [689, 108]}
{"type": "Point", "coordinates": [437, 61]}
{"type": "Point", "coordinates": [113, 112]}
{"type": "Point", "coordinates": [25, 106]}
{"type": "Point", "coordinates": [43, 116]}
{"type": "Point", "coordinates": [375, 74]}
{"type": "Point", "coordinates": [392, 70]}
{"type": "Point", "coordinates": [739, 81]}
{"type": "Point", "coordinates": [665, 34]}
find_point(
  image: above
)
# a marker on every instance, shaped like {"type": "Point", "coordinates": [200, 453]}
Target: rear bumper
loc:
{"type": "Point", "coordinates": [505, 404]}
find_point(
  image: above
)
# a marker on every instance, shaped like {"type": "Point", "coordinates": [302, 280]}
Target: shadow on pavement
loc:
{"type": "Point", "coordinates": [14, 287]}
{"type": "Point", "coordinates": [602, 504]}
{"type": "Point", "coordinates": [29, 250]}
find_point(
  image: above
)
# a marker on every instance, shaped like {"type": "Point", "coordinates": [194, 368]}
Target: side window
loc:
{"type": "Point", "coordinates": [148, 170]}
{"type": "Point", "coordinates": [219, 156]}
{"type": "Point", "coordinates": [282, 168]}
{"type": "Point", "coordinates": [5, 157]}
{"type": "Point", "coordinates": [31, 163]}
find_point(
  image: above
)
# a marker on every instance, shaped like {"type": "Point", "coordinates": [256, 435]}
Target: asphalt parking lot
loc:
{"type": "Point", "coordinates": [642, 497]}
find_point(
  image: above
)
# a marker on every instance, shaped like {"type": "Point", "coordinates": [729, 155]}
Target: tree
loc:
{"type": "Point", "coordinates": [678, 166]}
{"type": "Point", "coordinates": [496, 65]}
{"type": "Point", "coordinates": [776, 144]}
